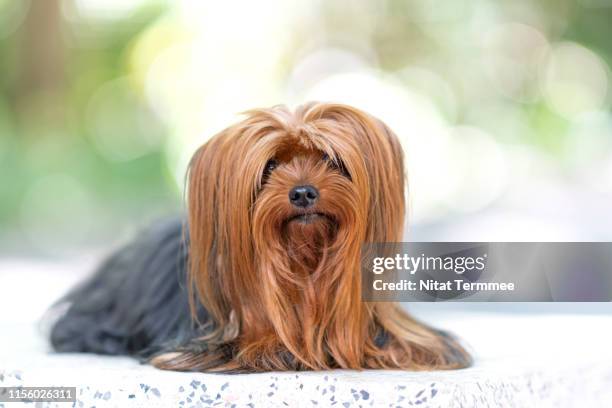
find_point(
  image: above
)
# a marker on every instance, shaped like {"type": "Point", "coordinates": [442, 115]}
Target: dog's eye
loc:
{"type": "Point", "coordinates": [271, 165]}
{"type": "Point", "coordinates": [269, 168]}
{"type": "Point", "coordinates": [336, 164]}
{"type": "Point", "coordinates": [331, 163]}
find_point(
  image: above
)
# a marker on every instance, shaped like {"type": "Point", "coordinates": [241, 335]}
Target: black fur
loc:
{"type": "Point", "coordinates": [136, 303]}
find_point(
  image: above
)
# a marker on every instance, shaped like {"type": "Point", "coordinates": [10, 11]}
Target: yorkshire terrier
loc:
{"type": "Point", "coordinates": [265, 275]}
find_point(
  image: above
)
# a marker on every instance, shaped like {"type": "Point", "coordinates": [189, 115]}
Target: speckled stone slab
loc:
{"type": "Point", "coordinates": [110, 382]}
{"type": "Point", "coordinates": [521, 361]}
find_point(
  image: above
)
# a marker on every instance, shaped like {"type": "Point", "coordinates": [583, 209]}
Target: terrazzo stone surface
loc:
{"type": "Point", "coordinates": [520, 361]}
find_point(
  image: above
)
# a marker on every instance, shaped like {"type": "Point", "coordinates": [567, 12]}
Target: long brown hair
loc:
{"type": "Point", "coordinates": [285, 295]}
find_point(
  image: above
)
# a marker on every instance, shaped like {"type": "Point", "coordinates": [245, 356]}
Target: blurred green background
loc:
{"type": "Point", "coordinates": [503, 107]}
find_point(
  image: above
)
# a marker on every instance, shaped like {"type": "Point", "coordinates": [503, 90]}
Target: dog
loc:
{"type": "Point", "coordinates": [265, 274]}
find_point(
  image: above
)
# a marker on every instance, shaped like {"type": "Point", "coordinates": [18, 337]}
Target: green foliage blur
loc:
{"type": "Point", "coordinates": [54, 173]}
{"type": "Point", "coordinates": [84, 151]}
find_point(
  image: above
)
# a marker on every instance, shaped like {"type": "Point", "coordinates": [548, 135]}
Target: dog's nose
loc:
{"type": "Point", "coordinates": [303, 196]}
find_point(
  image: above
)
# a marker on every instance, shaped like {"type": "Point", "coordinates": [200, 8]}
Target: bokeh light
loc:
{"type": "Point", "coordinates": [503, 108]}
{"type": "Point", "coordinates": [106, 9]}
{"type": "Point", "coordinates": [576, 80]}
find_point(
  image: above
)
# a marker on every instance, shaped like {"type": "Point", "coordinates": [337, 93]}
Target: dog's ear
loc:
{"type": "Point", "coordinates": [387, 184]}
{"type": "Point", "coordinates": [220, 195]}
{"type": "Point", "coordinates": [205, 245]}
{"type": "Point", "coordinates": [222, 177]}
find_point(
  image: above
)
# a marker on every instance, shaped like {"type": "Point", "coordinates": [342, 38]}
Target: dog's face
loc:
{"type": "Point", "coordinates": [306, 191]}
{"type": "Point", "coordinates": [280, 205]}
{"type": "Point", "coordinates": [307, 204]}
